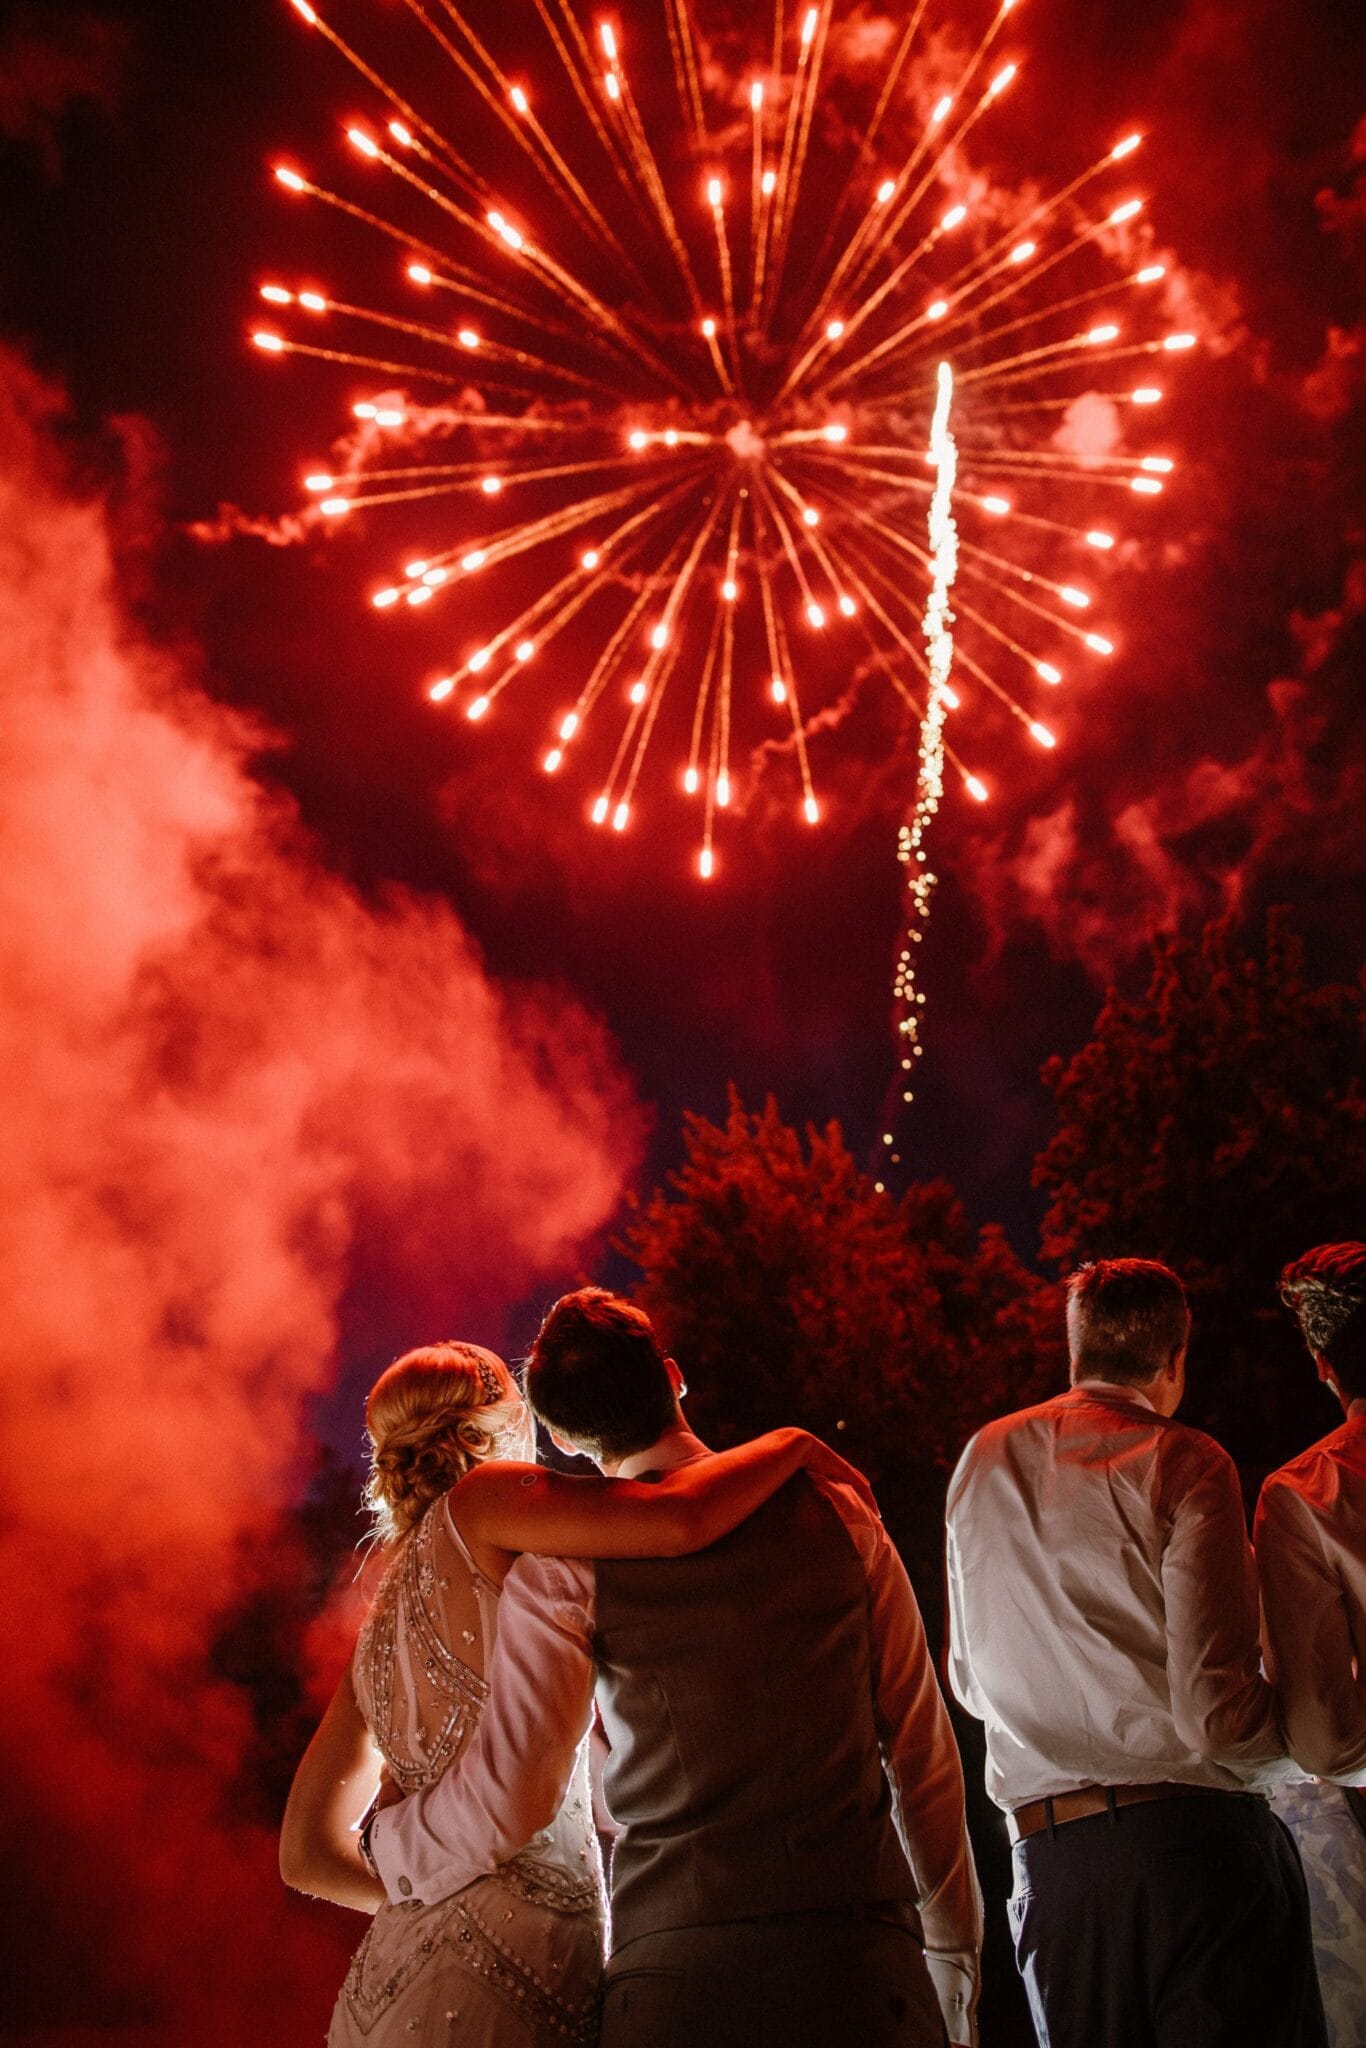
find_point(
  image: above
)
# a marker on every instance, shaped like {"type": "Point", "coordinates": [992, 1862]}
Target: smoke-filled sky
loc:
{"type": "Point", "coordinates": [248, 1119]}
{"type": "Point", "coordinates": [325, 1028]}
{"type": "Point", "coordinates": [1217, 762]}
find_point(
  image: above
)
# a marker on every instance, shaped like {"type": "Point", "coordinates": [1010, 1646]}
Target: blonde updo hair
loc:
{"type": "Point", "coordinates": [435, 1412]}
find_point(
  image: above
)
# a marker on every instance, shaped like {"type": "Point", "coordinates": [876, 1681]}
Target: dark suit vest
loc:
{"type": "Point", "coordinates": [736, 1688]}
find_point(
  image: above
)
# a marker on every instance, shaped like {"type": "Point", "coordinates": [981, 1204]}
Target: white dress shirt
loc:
{"type": "Point", "coordinates": [1103, 1603]}
{"type": "Point", "coordinates": [1311, 1553]}
{"type": "Point", "coordinates": [511, 1779]}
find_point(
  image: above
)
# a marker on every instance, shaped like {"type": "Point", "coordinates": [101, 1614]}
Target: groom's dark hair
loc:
{"type": "Point", "coordinates": [596, 1374]}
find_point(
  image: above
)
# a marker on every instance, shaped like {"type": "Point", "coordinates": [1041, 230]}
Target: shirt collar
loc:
{"type": "Point", "coordinates": [1107, 1390]}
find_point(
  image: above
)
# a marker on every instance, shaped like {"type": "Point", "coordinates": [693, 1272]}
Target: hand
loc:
{"type": "Point", "coordinates": [389, 1794]}
{"type": "Point", "coordinates": [817, 1457]}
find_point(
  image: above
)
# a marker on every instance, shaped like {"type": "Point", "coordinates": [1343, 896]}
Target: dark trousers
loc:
{"type": "Point", "coordinates": [1179, 1924]}
{"type": "Point", "coordinates": [807, 1980]}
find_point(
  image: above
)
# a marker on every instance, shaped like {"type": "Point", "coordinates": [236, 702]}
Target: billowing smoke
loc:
{"type": "Point", "coordinates": [1229, 773]}
{"type": "Point", "coordinates": [228, 1087]}
{"type": "Point", "coordinates": [1220, 837]}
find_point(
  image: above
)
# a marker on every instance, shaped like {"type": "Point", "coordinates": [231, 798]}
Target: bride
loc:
{"type": "Point", "coordinates": [515, 1958]}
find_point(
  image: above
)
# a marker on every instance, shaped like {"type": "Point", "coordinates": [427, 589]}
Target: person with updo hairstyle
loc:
{"type": "Point", "coordinates": [1310, 1540]}
{"type": "Point", "coordinates": [435, 1413]}
{"type": "Point", "coordinates": [514, 1960]}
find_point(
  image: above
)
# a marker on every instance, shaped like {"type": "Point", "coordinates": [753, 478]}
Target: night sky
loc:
{"type": "Point", "coordinates": [327, 1024]}
{"type": "Point", "coordinates": [1214, 763]}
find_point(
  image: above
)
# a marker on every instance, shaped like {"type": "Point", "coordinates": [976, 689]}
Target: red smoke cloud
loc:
{"type": "Point", "coordinates": [227, 1084]}
{"type": "Point", "coordinates": [1217, 838]}
{"type": "Point", "coordinates": [364, 445]}
{"type": "Point", "coordinates": [1228, 772]}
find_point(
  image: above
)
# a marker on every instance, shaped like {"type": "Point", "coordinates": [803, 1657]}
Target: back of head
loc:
{"type": "Point", "coordinates": [435, 1412]}
{"type": "Point", "coordinates": [1125, 1320]}
{"type": "Point", "coordinates": [596, 1375]}
{"type": "Point", "coordinates": [1327, 1290]}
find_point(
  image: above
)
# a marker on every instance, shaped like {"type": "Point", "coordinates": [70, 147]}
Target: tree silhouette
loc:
{"type": "Point", "coordinates": [1218, 1123]}
{"type": "Point", "coordinates": [792, 1291]}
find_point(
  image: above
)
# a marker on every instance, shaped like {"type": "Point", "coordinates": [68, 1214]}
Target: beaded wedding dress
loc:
{"type": "Point", "coordinates": [514, 1960]}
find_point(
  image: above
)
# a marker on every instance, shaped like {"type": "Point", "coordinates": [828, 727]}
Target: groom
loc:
{"type": "Point", "coordinates": [792, 1850]}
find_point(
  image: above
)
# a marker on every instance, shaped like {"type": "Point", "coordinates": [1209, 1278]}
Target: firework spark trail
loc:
{"type": "Point", "coordinates": [730, 324]}
{"type": "Point", "coordinates": [920, 878]}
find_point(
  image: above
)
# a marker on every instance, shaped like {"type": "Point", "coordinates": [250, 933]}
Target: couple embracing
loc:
{"type": "Point", "coordinates": [791, 1862]}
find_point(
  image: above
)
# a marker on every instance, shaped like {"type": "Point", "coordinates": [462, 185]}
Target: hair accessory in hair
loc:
{"type": "Point", "coordinates": [493, 1388]}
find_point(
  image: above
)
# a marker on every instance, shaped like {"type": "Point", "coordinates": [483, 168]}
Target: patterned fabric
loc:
{"type": "Point", "coordinates": [420, 1699]}
{"type": "Point", "coordinates": [484, 1969]}
{"type": "Point", "coordinates": [515, 1958]}
{"type": "Point", "coordinates": [1332, 1847]}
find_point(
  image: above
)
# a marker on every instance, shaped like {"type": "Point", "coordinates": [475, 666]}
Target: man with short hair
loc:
{"type": "Point", "coordinates": [1104, 1626]}
{"type": "Point", "coordinates": [1310, 1539]}
{"type": "Point", "coordinates": [792, 1846]}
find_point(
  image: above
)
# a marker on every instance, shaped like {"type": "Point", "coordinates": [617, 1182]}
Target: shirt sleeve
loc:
{"type": "Point", "coordinates": [920, 1757]}
{"type": "Point", "coordinates": [1221, 1704]}
{"type": "Point", "coordinates": [1310, 1654]}
{"type": "Point", "coordinates": [965, 1689]}
{"type": "Point", "coordinates": [512, 1778]}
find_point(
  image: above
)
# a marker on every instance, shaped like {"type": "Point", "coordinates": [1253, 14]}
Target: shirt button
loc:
{"type": "Point", "coordinates": [405, 1885]}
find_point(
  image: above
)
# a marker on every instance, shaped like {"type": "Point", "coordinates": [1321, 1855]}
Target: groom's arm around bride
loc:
{"type": "Point", "coordinates": [783, 1771]}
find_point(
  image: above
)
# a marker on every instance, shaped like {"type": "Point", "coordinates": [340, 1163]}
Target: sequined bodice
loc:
{"type": "Point", "coordinates": [516, 1956]}
{"type": "Point", "coordinates": [420, 1695]}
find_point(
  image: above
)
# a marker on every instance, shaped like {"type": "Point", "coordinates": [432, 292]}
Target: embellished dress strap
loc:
{"type": "Point", "coordinates": [487, 1591]}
